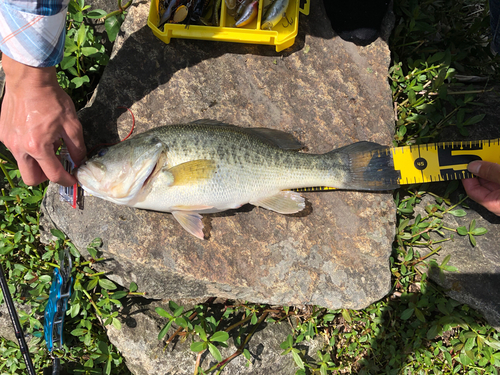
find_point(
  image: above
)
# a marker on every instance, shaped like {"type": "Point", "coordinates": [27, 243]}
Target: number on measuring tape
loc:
{"type": "Point", "coordinates": [442, 161]}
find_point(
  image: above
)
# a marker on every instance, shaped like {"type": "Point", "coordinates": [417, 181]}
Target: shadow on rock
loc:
{"type": "Point", "coordinates": [142, 63]}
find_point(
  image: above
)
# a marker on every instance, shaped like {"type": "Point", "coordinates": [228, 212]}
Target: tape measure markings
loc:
{"type": "Point", "coordinates": [443, 161]}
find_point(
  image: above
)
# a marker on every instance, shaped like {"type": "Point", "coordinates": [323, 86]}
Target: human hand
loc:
{"type": "Point", "coordinates": [36, 114]}
{"type": "Point", "coordinates": [485, 189]}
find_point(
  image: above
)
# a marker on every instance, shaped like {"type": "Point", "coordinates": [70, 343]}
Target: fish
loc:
{"type": "Point", "coordinates": [207, 166]}
{"type": "Point", "coordinates": [274, 14]}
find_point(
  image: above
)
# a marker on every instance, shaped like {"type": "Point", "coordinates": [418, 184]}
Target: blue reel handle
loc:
{"type": "Point", "coordinates": [59, 294]}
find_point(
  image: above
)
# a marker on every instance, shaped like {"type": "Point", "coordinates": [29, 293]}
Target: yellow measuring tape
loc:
{"type": "Point", "coordinates": [442, 161]}
{"type": "Point", "coordinates": [434, 162]}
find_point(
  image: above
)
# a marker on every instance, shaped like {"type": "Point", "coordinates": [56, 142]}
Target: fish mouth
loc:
{"type": "Point", "coordinates": [123, 182]}
{"type": "Point", "coordinates": [160, 163]}
{"type": "Point", "coordinates": [93, 170]}
{"type": "Point", "coordinates": [89, 176]}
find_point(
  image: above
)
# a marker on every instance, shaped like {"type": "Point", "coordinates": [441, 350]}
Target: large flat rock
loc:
{"type": "Point", "coordinates": [325, 91]}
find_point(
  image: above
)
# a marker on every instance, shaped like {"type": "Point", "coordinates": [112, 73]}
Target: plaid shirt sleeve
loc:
{"type": "Point", "coordinates": [32, 32]}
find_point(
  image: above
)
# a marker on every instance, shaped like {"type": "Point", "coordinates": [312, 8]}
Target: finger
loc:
{"type": "Point", "coordinates": [490, 199]}
{"type": "Point", "coordinates": [485, 169]}
{"type": "Point", "coordinates": [73, 139]}
{"type": "Point", "coordinates": [31, 173]}
{"type": "Point", "coordinates": [54, 170]}
{"type": "Point", "coordinates": [474, 189]}
{"type": "Point", "coordinates": [492, 202]}
{"type": "Point", "coordinates": [491, 186]}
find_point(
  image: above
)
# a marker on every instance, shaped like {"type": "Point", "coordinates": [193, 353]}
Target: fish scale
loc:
{"type": "Point", "coordinates": [228, 173]}
{"type": "Point", "coordinates": [246, 170]}
{"type": "Point", "coordinates": [206, 166]}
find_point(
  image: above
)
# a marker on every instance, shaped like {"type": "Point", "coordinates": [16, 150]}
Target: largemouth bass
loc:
{"type": "Point", "coordinates": [207, 166]}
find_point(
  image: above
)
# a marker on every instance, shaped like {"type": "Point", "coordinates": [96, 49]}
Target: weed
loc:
{"type": "Point", "coordinates": [94, 302]}
{"type": "Point", "coordinates": [85, 55]}
{"type": "Point", "coordinates": [431, 43]}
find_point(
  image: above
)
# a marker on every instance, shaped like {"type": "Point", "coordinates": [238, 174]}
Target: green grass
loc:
{"type": "Point", "coordinates": [416, 329]}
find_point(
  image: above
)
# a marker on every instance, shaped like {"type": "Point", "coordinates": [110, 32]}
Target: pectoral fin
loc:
{"type": "Point", "coordinates": [192, 172]}
{"type": "Point", "coordinates": [191, 222]}
{"type": "Point", "coordinates": [285, 202]}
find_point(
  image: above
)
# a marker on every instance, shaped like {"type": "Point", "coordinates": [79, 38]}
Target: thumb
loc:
{"type": "Point", "coordinates": [485, 169]}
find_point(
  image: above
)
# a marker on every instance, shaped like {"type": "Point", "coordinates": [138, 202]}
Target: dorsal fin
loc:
{"type": "Point", "coordinates": [273, 137]}
{"type": "Point", "coordinates": [278, 138]}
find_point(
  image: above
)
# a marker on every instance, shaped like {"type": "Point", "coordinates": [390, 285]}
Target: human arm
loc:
{"type": "Point", "coordinates": [485, 189]}
{"type": "Point", "coordinates": [36, 113]}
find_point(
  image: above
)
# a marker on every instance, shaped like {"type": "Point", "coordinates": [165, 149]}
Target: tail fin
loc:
{"type": "Point", "coordinates": [369, 167]}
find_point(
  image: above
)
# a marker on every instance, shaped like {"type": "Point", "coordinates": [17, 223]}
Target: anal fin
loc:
{"type": "Point", "coordinates": [191, 222]}
{"type": "Point", "coordinates": [285, 202]}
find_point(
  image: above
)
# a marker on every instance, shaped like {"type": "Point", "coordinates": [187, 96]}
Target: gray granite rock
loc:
{"type": "Point", "coordinates": [477, 280]}
{"type": "Point", "coordinates": [145, 355]}
{"type": "Point", "coordinates": [326, 92]}
{"type": "Point", "coordinates": [6, 327]}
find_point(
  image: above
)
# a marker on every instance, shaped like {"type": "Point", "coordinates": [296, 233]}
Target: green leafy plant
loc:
{"type": "Point", "coordinates": [429, 48]}
{"type": "Point", "coordinates": [85, 55]}
{"type": "Point", "coordinates": [29, 265]}
{"type": "Point", "coordinates": [204, 325]}
{"type": "Point", "coordinates": [174, 317]}
{"type": "Point", "coordinates": [288, 347]}
{"type": "Point", "coordinates": [471, 232]}
{"type": "Point", "coordinates": [208, 342]}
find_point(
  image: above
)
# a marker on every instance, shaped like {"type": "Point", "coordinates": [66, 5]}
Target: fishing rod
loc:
{"type": "Point", "coordinates": [16, 324]}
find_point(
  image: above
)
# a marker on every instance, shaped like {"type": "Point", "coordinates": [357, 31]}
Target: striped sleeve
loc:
{"type": "Point", "coordinates": [33, 32]}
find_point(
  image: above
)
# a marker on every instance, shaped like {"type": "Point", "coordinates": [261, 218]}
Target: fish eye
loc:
{"type": "Point", "coordinates": [102, 152]}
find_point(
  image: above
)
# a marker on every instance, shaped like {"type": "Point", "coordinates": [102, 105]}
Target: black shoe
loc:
{"type": "Point", "coordinates": [356, 21]}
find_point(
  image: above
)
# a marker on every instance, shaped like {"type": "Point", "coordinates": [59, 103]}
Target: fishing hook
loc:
{"type": "Point", "coordinates": [289, 21]}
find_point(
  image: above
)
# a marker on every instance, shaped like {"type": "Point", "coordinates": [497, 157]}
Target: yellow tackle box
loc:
{"type": "Point", "coordinates": [282, 35]}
